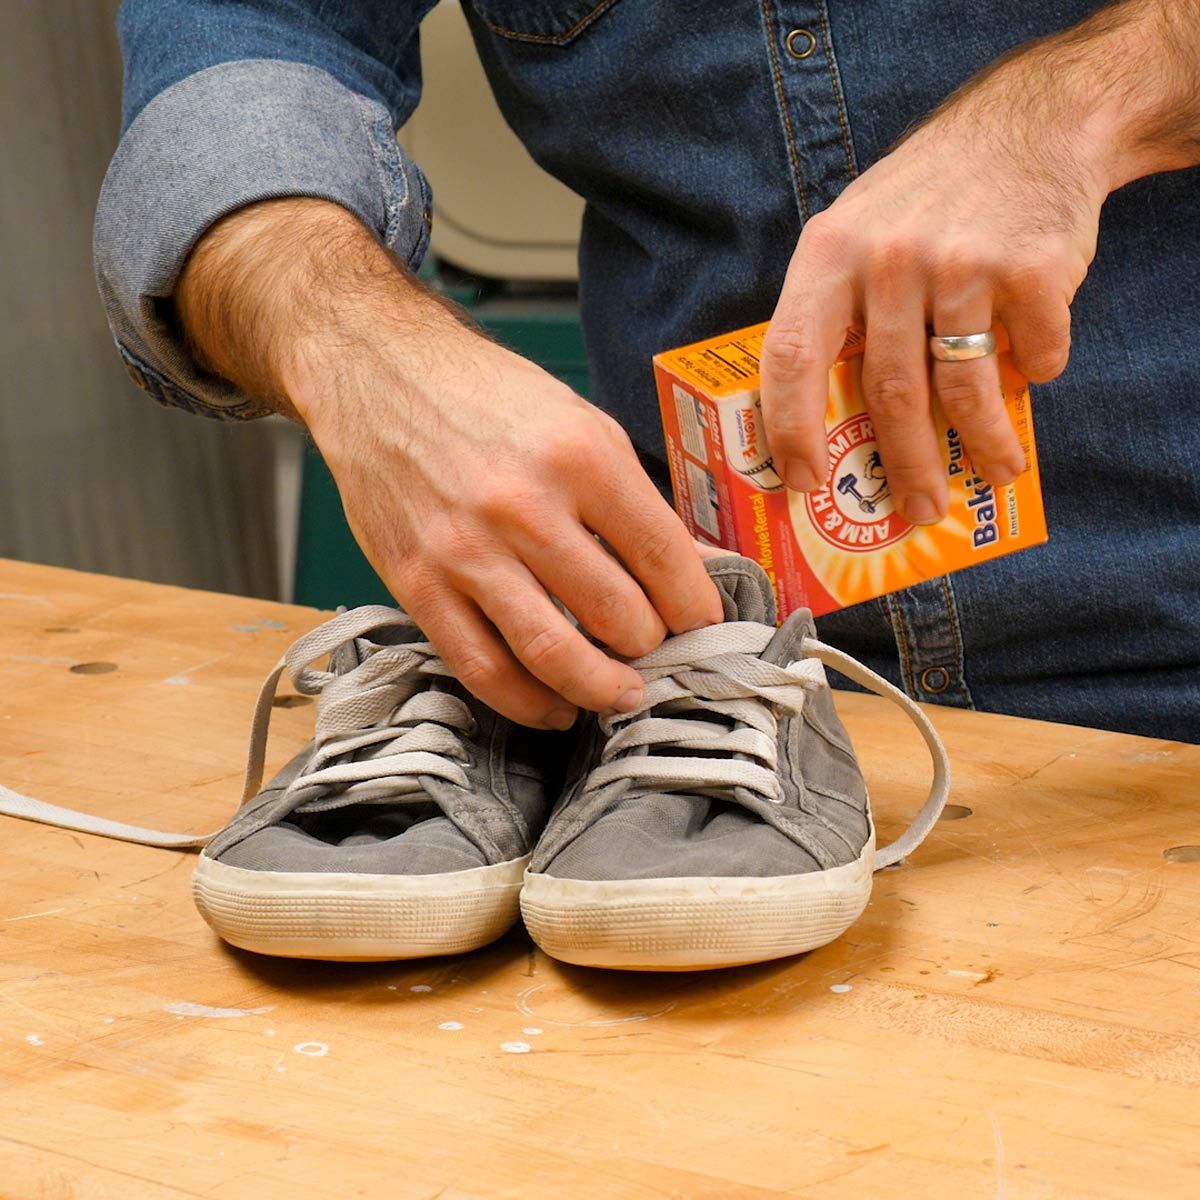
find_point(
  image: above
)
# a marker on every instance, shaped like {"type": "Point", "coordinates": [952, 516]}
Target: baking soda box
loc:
{"type": "Point", "coordinates": [846, 542]}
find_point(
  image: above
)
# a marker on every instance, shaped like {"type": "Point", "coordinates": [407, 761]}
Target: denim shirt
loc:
{"type": "Point", "coordinates": [702, 136]}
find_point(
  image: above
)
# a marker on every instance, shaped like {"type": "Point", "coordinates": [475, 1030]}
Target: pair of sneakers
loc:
{"type": "Point", "coordinates": [724, 821]}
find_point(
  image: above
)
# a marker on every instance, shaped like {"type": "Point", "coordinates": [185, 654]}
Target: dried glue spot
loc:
{"type": "Point", "coordinates": [954, 812]}
{"type": "Point", "coordinates": [290, 701]}
{"type": "Point", "coordinates": [515, 1047]}
{"type": "Point", "coordinates": [1182, 854]}
{"type": "Point", "coordinates": [451, 1026]}
{"type": "Point", "coordinates": [93, 668]}
{"type": "Point", "coordinates": [420, 987]}
{"type": "Point", "coordinates": [312, 1049]}
{"type": "Point", "coordinates": [841, 988]}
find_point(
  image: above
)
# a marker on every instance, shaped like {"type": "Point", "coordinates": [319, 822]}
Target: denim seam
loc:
{"type": "Point", "coordinates": [836, 84]}
{"type": "Point", "coordinates": [781, 97]}
{"type": "Point", "coordinates": [900, 633]}
{"type": "Point", "coordinates": [171, 396]}
{"type": "Point", "coordinates": [960, 662]}
{"type": "Point", "coordinates": [558, 39]}
{"type": "Point", "coordinates": [393, 178]}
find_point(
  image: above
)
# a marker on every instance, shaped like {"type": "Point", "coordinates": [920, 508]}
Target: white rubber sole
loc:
{"type": "Point", "coordinates": [694, 924]}
{"type": "Point", "coordinates": [357, 918]}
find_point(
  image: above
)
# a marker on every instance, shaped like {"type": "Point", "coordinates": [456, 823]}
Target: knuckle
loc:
{"type": "Point", "coordinates": [569, 443]}
{"type": "Point", "coordinates": [654, 551]}
{"type": "Point", "coordinates": [891, 258]}
{"type": "Point", "coordinates": [607, 613]}
{"type": "Point", "coordinates": [421, 591]}
{"type": "Point", "coordinates": [459, 548]}
{"type": "Point", "coordinates": [790, 349]}
{"type": "Point", "coordinates": [964, 398]}
{"type": "Point", "coordinates": [1030, 279]}
{"type": "Point", "coordinates": [542, 649]}
{"type": "Point", "coordinates": [822, 236]}
{"type": "Point", "coordinates": [1044, 362]}
{"type": "Point", "coordinates": [501, 501]}
{"type": "Point", "coordinates": [955, 267]}
{"type": "Point", "coordinates": [959, 270]}
{"type": "Point", "coordinates": [906, 474]}
{"type": "Point", "coordinates": [477, 672]}
{"type": "Point", "coordinates": [891, 398]}
{"type": "Point", "coordinates": [615, 432]}
{"type": "Point", "coordinates": [787, 433]}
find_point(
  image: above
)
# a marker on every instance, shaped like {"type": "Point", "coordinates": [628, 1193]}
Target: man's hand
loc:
{"type": "Point", "coordinates": [475, 483]}
{"type": "Point", "coordinates": [988, 210]}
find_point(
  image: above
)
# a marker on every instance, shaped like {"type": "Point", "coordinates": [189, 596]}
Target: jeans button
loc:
{"type": "Point", "coordinates": [935, 680]}
{"type": "Point", "coordinates": [800, 43]}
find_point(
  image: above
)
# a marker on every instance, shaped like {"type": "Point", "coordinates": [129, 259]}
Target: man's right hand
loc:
{"type": "Point", "coordinates": [475, 483]}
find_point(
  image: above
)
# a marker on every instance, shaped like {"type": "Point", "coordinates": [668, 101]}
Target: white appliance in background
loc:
{"type": "Point", "coordinates": [495, 211]}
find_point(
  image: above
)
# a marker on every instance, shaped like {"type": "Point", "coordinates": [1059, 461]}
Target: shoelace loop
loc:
{"type": "Point", "coordinates": [381, 711]}
{"type": "Point", "coordinates": [714, 672]}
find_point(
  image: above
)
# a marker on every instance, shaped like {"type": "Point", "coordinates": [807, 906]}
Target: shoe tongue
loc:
{"type": "Point", "coordinates": [353, 653]}
{"type": "Point", "coordinates": [746, 592]}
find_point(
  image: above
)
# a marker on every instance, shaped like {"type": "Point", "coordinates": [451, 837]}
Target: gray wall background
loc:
{"type": "Point", "coordinates": [93, 474]}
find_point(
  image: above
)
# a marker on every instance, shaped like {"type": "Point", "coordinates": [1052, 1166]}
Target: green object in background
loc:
{"type": "Point", "coordinates": [330, 568]}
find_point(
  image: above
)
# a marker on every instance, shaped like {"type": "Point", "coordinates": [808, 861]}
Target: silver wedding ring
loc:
{"type": "Point", "coordinates": [960, 349]}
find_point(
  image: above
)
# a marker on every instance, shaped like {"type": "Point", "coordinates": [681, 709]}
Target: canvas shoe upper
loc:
{"type": "Point", "coordinates": [401, 830]}
{"type": "Point", "coordinates": [726, 819]}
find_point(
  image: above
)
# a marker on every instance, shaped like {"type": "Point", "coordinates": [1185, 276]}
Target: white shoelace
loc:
{"type": "Point", "coordinates": [383, 703]}
{"type": "Point", "coordinates": [713, 671]}
{"type": "Point", "coordinates": [718, 671]}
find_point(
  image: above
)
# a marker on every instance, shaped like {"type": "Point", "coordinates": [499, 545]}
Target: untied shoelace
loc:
{"type": "Point", "coordinates": [384, 702]}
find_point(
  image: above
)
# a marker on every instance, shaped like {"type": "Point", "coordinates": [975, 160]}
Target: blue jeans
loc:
{"type": "Point", "coordinates": [702, 143]}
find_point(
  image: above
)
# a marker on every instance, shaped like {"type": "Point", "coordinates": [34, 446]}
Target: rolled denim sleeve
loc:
{"type": "Point", "coordinates": [225, 105]}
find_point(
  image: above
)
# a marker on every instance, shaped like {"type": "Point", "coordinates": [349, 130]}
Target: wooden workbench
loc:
{"type": "Point", "coordinates": [1016, 1015]}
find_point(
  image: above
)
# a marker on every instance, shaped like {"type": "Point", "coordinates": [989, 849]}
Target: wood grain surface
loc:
{"type": "Point", "coordinates": [1017, 1014]}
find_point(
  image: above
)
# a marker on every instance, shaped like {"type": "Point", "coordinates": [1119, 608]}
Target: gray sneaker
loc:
{"type": "Point", "coordinates": [725, 821]}
{"type": "Point", "coordinates": [402, 830]}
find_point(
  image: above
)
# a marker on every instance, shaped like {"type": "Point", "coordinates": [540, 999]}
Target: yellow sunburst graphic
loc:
{"type": "Point", "coordinates": [978, 526]}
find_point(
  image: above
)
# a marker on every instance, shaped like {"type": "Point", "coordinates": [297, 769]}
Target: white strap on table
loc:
{"type": "Point", "coordinates": [13, 804]}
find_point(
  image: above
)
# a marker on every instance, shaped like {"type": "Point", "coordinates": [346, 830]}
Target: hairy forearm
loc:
{"type": "Point", "coordinates": [1139, 61]}
{"type": "Point", "coordinates": [1117, 95]}
{"type": "Point", "coordinates": [281, 290]}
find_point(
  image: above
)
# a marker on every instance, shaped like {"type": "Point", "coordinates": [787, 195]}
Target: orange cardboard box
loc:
{"type": "Point", "coordinates": [846, 542]}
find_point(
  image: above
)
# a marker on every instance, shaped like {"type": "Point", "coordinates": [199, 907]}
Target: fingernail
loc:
{"type": "Point", "coordinates": [799, 476]}
{"type": "Point", "coordinates": [629, 701]}
{"type": "Point", "coordinates": [999, 473]}
{"type": "Point", "coordinates": [921, 510]}
{"type": "Point", "coordinates": [561, 718]}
